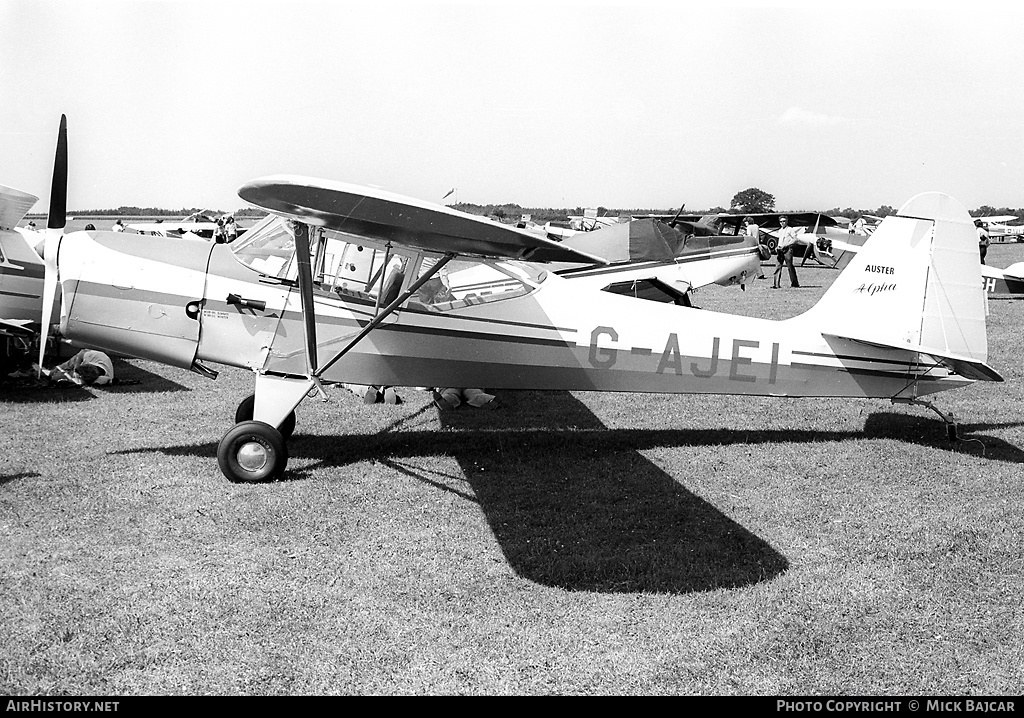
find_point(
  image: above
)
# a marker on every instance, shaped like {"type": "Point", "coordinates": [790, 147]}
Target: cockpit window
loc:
{"type": "Point", "coordinates": [461, 283]}
{"type": "Point", "coordinates": [352, 266]}
{"type": "Point", "coordinates": [268, 248]}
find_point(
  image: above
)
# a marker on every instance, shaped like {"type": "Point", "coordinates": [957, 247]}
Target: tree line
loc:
{"type": "Point", "coordinates": [749, 201]}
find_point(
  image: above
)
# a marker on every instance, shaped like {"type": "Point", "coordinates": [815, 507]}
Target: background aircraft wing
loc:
{"type": "Point", "coordinates": [14, 205]}
{"type": "Point", "coordinates": [387, 217]}
{"type": "Point", "coordinates": [15, 327]}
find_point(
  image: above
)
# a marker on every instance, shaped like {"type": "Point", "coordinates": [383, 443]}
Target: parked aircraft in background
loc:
{"type": "Point", "coordinates": [198, 225]}
{"type": "Point", "coordinates": [1009, 281]}
{"type": "Point", "coordinates": [589, 221]}
{"type": "Point", "coordinates": [999, 229]}
{"type": "Point", "coordinates": [21, 267]}
{"type": "Point", "coordinates": [650, 259]}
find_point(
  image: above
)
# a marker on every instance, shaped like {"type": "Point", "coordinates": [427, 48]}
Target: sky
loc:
{"type": "Point", "coordinates": [642, 104]}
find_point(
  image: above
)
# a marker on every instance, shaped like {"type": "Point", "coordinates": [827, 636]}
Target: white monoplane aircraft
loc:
{"type": "Point", "coordinates": [905, 319]}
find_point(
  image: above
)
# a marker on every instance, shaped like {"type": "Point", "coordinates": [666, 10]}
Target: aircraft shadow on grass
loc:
{"type": "Point", "coordinates": [8, 478]}
{"type": "Point", "coordinates": [577, 506]}
{"type": "Point", "coordinates": [131, 379]}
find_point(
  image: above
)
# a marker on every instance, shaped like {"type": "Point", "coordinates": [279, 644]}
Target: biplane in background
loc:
{"type": "Point", "coordinates": [460, 303]}
{"type": "Point", "coordinates": [652, 259]}
{"type": "Point", "coordinates": [819, 235]}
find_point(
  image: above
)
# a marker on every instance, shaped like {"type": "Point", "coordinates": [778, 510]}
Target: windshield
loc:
{"type": "Point", "coordinates": [268, 248]}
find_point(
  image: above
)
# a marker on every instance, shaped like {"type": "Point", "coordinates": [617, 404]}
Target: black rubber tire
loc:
{"type": "Point", "coordinates": [265, 447]}
{"type": "Point", "coordinates": [247, 407]}
{"type": "Point", "coordinates": [772, 244]}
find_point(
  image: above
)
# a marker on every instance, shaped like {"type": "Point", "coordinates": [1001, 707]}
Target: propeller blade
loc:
{"type": "Point", "coordinates": [55, 223]}
{"type": "Point", "coordinates": [57, 217]}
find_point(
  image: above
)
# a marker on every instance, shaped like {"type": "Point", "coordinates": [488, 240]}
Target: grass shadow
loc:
{"type": "Point", "coordinates": [134, 379]}
{"type": "Point", "coordinates": [30, 391]}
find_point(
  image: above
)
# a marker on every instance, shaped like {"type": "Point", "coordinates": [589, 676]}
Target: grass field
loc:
{"type": "Point", "coordinates": [567, 543]}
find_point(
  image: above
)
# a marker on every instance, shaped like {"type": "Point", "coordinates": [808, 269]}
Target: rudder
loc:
{"type": "Point", "coordinates": [916, 284]}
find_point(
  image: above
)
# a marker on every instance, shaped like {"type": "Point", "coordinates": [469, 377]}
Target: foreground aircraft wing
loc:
{"type": "Point", "coordinates": [387, 217]}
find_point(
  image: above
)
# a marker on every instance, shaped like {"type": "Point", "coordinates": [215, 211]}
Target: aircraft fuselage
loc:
{"type": "Point", "coordinates": [157, 298]}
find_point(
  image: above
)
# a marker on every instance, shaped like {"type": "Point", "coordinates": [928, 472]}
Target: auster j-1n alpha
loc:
{"type": "Point", "coordinates": [457, 300]}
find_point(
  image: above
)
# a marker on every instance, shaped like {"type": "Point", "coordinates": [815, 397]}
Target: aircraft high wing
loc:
{"type": "Point", "coordinates": [454, 300]}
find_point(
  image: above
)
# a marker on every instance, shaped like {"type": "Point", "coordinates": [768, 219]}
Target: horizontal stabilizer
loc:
{"type": "Point", "coordinates": [964, 366]}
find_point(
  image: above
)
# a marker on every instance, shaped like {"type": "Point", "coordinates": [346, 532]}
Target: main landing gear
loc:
{"type": "Point", "coordinates": [254, 451]}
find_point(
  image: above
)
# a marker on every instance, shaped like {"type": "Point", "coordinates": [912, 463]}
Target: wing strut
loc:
{"type": "Point", "coordinates": [305, 272]}
{"type": "Point", "coordinates": [384, 313]}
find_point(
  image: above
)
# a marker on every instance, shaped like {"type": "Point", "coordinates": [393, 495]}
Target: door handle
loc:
{"type": "Point", "coordinates": [256, 304]}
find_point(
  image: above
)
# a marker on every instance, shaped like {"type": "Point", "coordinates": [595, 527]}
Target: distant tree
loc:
{"type": "Point", "coordinates": [753, 200]}
{"type": "Point", "coordinates": [884, 211]}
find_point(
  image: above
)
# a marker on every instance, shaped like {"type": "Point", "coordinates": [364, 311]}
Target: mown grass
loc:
{"type": "Point", "coordinates": [568, 543]}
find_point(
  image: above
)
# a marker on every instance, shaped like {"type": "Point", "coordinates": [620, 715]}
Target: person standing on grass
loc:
{"type": "Point", "coordinates": [219, 236]}
{"type": "Point", "coordinates": [983, 239]}
{"type": "Point", "coordinates": [784, 253]}
{"type": "Point", "coordinates": [230, 230]}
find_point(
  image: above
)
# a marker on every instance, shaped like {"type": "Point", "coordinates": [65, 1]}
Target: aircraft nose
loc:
{"type": "Point", "coordinates": [133, 294]}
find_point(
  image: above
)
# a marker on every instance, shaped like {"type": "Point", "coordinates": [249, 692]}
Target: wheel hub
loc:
{"type": "Point", "coordinates": [252, 456]}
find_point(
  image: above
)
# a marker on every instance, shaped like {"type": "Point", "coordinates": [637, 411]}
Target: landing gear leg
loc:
{"type": "Point", "coordinates": [947, 417]}
{"type": "Point", "coordinates": [246, 409]}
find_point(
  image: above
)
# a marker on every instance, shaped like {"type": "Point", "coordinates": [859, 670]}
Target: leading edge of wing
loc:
{"type": "Point", "coordinates": [388, 217]}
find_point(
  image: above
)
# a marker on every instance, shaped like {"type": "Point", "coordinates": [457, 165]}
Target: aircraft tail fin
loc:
{"type": "Point", "coordinates": [916, 285]}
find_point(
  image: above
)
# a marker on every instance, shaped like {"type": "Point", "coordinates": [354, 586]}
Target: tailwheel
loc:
{"type": "Point", "coordinates": [252, 452]}
{"type": "Point", "coordinates": [247, 407]}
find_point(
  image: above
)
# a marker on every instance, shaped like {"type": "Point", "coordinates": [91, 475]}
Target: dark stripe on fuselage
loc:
{"type": "Point", "coordinates": [849, 357]}
{"type": "Point", "coordinates": [20, 294]}
{"type": "Point", "coordinates": [908, 373]}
